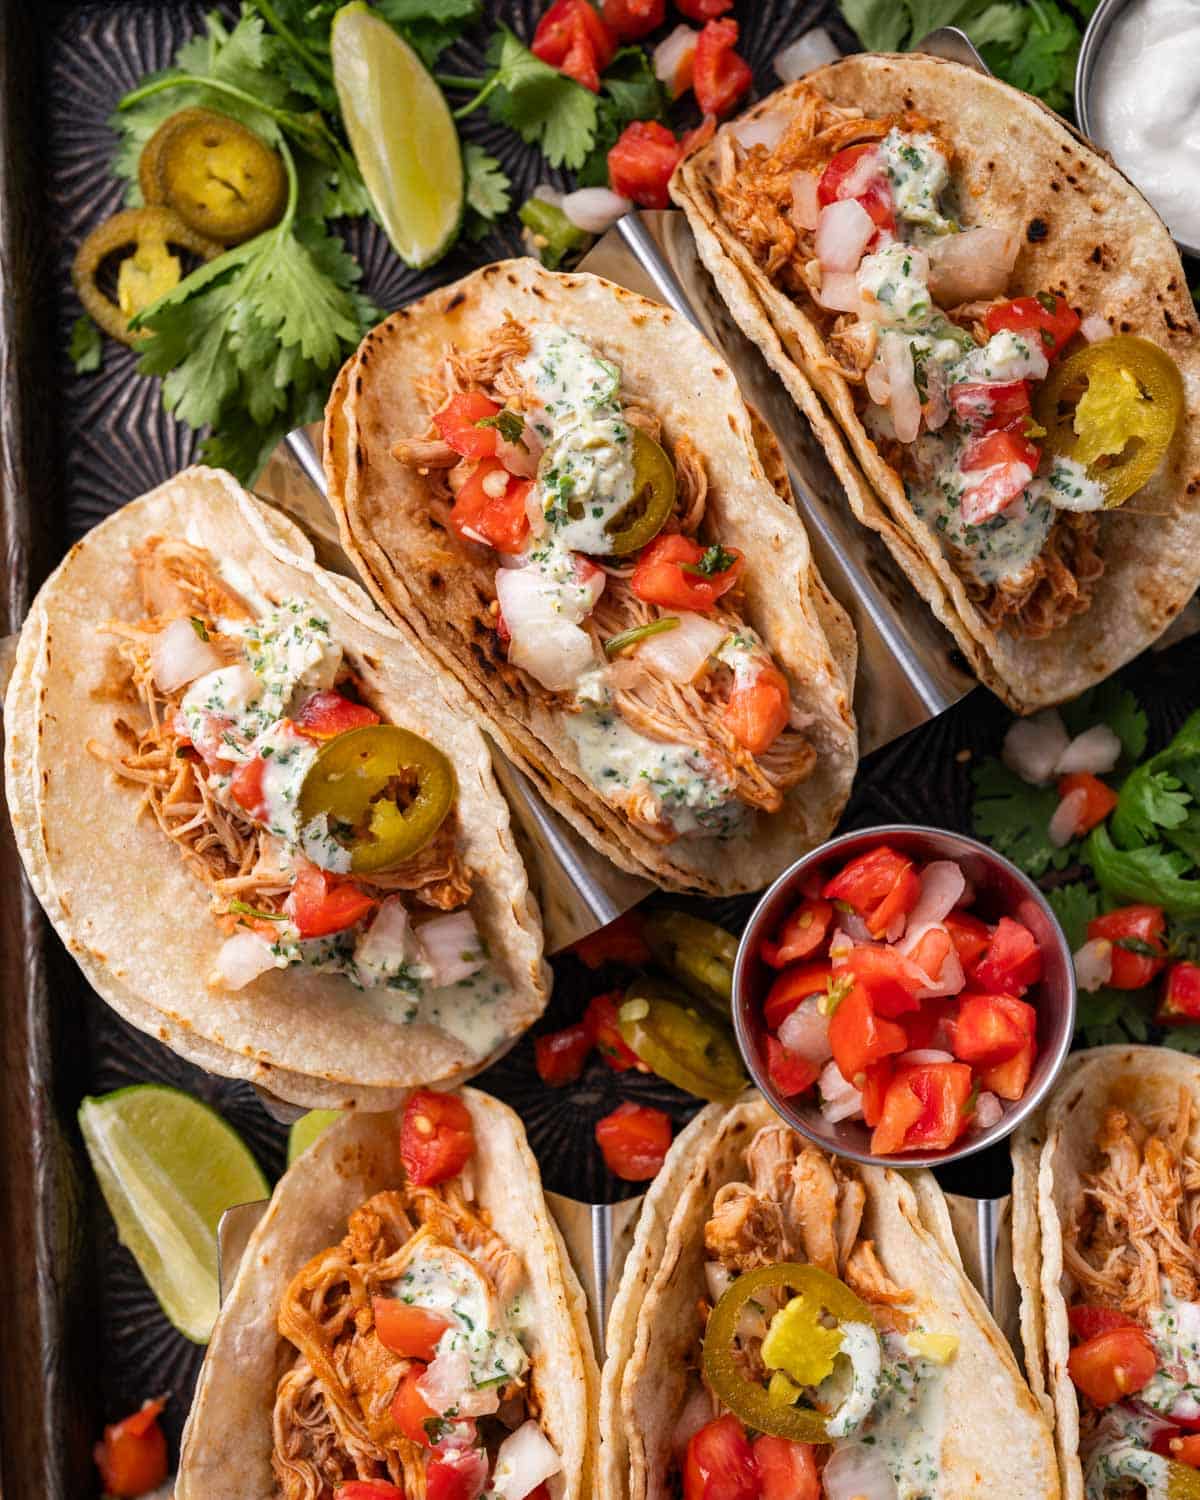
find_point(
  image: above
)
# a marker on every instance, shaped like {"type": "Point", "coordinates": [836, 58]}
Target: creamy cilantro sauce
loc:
{"type": "Point", "coordinates": [445, 1282]}
{"type": "Point", "coordinates": [896, 277]}
{"type": "Point", "coordinates": [860, 1346]}
{"type": "Point", "coordinates": [1068, 486]}
{"type": "Point", "coordinates": [1006, 356]}
{"type": "Point", "coordinates": [287, 758]}
{"type": "Point", "coordinates": [1175, 1332]}
{"type": "Point", "coordinates": [1108, 1467]}
{"type": "Point", "coordinates": [906, 1423]}
{"type": "Point", "coordinates": [919, 174]}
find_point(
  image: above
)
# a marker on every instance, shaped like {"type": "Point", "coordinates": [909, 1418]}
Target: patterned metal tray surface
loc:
{"type": "Point", "coordinates": [106, 1345]}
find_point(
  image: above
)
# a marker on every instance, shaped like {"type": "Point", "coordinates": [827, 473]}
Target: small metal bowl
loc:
{"type": "Point", "coordinates": [1001, 890]}
{"type": "Point", "coordinates": [1091, 51]}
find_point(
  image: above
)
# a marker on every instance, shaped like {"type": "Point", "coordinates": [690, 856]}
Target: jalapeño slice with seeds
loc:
{"type": "Point", "coordinates": [653, 497]}
{"type": "Point", "coordinates": [697, 953]}
{"type": "Point", "coordinates": [675, 1041]}
{"type": "Point", "coordinates": [385, 792]}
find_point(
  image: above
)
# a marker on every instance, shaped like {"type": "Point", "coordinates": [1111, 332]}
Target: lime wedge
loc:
{"type": "Point", "coordinates": [169, 1167]}
{"type": "Point", "coordinates": [307, 1128]}
{"type": "Point", "coordinates": [402, 133]}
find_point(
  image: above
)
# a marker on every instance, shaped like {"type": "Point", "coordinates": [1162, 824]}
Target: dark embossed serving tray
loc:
{"type": "Point", "coordinates": [84, 1341]}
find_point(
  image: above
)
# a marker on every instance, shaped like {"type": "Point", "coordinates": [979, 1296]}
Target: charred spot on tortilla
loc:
{"type": "Point", "coordinates": [1037, 230]}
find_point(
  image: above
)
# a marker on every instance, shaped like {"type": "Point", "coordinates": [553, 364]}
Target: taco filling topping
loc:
{"type": "Point", "coordinates": [808, 1343]}
{"type": "Point", "coordinates": [1008, 445]}
{"type": "Point", "coordinates": [1131, 1254]}
{"type": "Point", "coordinates": [612, 595]}
{"type": "Point", "coordinates": [324, 836]}
{"type": "Point", "coordinates": [411, 1375]}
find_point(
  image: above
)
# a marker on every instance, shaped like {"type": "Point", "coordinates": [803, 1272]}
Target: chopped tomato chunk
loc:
{"type": "Point", "coordinates": [1100, 799]}
{"type": "Point", "coordinates": [1180, 996]}
{"type": "Point", "coordinates": [321, 903]}
{"type": "Point", "coordinates": [634, 1140]}
{"type": "Point", "coordinates": [790, 1074]}
{"type": "Point", "coordinates": [793, 986]}
{"type": "Point", "coordinates": [1008, 1080]}
{"type": "Point", "coordinates": [993, 491]}
{"type": "Point", "coordinates": [719, 77]}
{"type": "Point", "coordinates": [720, 1463]}
{"type": "Point", "coordinates": [1012, 962]}
{"type": "Point", "coordinates": [458, 423]}
{"type": "Point", "coordinates": [859, 1037]}
{"type": "Point", "coordinates": [368, 1489]}
{"type": "Point", "coordinates": [786, 1470]}
{"type": "Point", "coordinates": [703, 10]}
{"type": "Point", "coordinates": [246, 787]}
{"type": "Point", "coordinates": [985, 407]}
{"type": "Point", "coordinates": [1183, 1447]}
{"type": "Point", "coordinates": [572, 38]}
{"type": "Point", "coordinates": [1046, 317]}
{"type": "Point", "coordinates": [621, 942]}
{"type": "Point", "coordinates": [1113, 1365]}
{"type": "Point", "coordinates": [326, 714]}
{"type": "Point", "coordinates": [436, 1137]}
{"type": "Point", "coordinates": [939, 1092]}
{"type": "Point", "coordinates": [875, 196]}
{"type": "Point", "coordinates": [992, 1029]}
{"type": "Point", "coordinates": [672, 572]}
{"type": "Point", "coordinates": [930, 1026]}
{"type": "Point", "coordinates": [1000, 447]}
{"type": "Point", "coordinates": [899, 1112]}
{"type": "Point", "coordinates": [132, 1458]}
{"type": "Point", "coordinates": [876, 1082]}
{"type": "Point", "coordinates": [880, 886]}
{"type": "Point", "coordinates": [757, 712]}
{"type": "Point", "coordinates": [1142, 928]}
{"type": "Point", "coordinates": [802, 934]}
{"type": "Point", "coordinates": [490, 507]}
{"type": "Point", "coordinates": [970, 936]}
{"type": "Point", "coordinates": [560, 1055]}
{"type": "Point", "coordinates": [641, 162]}
{"type": "Point", "coordinates": [412, 1332]}
{"type": "Point", "coordinates": [1086, 1321]}
{"type": "Point", "coordinates": [891, 980]}
{"type": "Point", "coordinates": [932, 951]}
{"type": "Point", "coordinates": [629, 20]}
{"type": "Point", "coordinates": [600, 1023]}
{"type": "Point", "coordinates": [409, 1409]}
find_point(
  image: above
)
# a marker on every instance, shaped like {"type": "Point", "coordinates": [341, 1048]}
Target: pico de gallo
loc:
{"type": "Point", "coordinates": [428, 1371]}
{"type": "Point", "coordinates": [891, 1002]}
{"type": "Point", "coordinates": [616, 603]}
{"type": "Point", "coordinates": [1005, 424]}
{"type": "Point", "coordinates": [325, 837]}
{"type": "Point", "coordinates": [132, 1457]}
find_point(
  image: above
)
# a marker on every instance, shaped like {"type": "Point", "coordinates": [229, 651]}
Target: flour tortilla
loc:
{"type": "Point", "coordinates": [438, 589]}
{"type": "Point", "coordinates": [1086, 233]}
{"type": "Point", "coordinates": [116, 890]}
{"type": "Point", "coordinates": [227, 1442]}
{"type": "Point", "coordinates": [997, 1440]}
{"type": "Point", "coordinates": [1064, 1141]}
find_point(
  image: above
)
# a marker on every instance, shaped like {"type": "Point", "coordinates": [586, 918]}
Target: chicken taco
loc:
{"type": "Point", "coordinates": [1112, 1264]}
{"type": "Point", "coordinates": [404, 1323]}
{"type": "Point", "coordinates": [991, 333]}
{"type": "Point", "coordinates": [553, 486]}
{"type": "Point", "coordinates": [252, 816]}
{"type": "Point", "coordinates": [800, 1326]}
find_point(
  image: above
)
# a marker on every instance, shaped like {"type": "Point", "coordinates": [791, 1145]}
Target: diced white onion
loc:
{"type": "Point", "coordinates": [1094, 964]}
{"type": "Point", "coordinates": [717, 1278]}
{"type": "Point", "coordinates": [595, 209]}
{"type": "Point", "coordinates": [844, 230]}
{"type": "Point", "coordinates": [840, 1100]}
{"type": "Point", "coordinates": [446, 1384]}
{"type": "Point", "coordinates": [839, 291]}
{"type": "Point", "coordinates": [452, 948]}
{"type": "Point", "coordinates": [942, 885]}
{"type": "Point", "coordinates": [975, 263]}
{"type": "Point", "coordinates": [854, 927]}
{"type": "Point", "coordinates": [904, 401]}
{"type": "Point", "coordinates": [988, 1111]}
{"type": "Point", "coordinates": [521, 458]}
{"type": "Point", "coordinates": [548, 193]}
{"type": "Point", "coordinates": [525, 1459]}
{"type": "Point", "coordinates": [864, 174]}
{"type": "Point", "coordinates": [389, 942]}
{"type": "Point", "coordinates": [545, 642]}
{"type": "Point", "coordinates": [179, 656]}
{"type": "Point", "coordinates": [878, 387]}
{"type": "Point", "coordinates": [1094, 328]}
{"type": "Point", "coordinates": [763, 130]}
{"type": "Point", "coordinates": [1097, 750]}
{"type": "Point", "coordinates": [681, 655]}
{"type": "Point", "coordinates": [241, 959]}
{"type": "Point", "coordinates": [920, 1056]}
{"type": "Point", "coordinates": [805, 1032]}
{"type": "Point", "coordinates": [812, 50]}
{"type": "Point", "coordinates": [856, 1472]}
{"type": "Point", "coordinates": [1068, 816]}
{"type": "Point", "coordinates": [1033, 747]}
{"type": "Point", "coordinates": [806, 209]}
{"type": "Point", "coordinates": [672, 59]}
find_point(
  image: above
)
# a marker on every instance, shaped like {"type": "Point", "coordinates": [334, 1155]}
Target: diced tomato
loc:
{"type": "Point", "coordinates": [786, 1470]}
{"type": "Point", "coordinates": [1100, 799]}
{"type": "Point", "coordinates": [1141, 925]}
{"type": "Point", "coordinates": [660, 576]}
{"type": "Point", "coordinates": [461, 1474]}
{"type": "Point", "coordinates": [880, 885]}
{"type": "Point", "coordinates": [789, 1073]}
{"type": "Point", "coordinates": [499, 519]}
{"type": "Point", "coordinates": [326, 714]}
{"type": "Point", "coordinates": [985, 407]}
{"type": "Point", "coordinates": [793, 986]}
{"type": "Point", "coordinates": [970, 936]}
{"type": "Point", "coordinates": [560, 1055]}
{"type": "Point", "coordinates": [132, 1458]}
{"type": "Point", "coordinates": [458, 423]}
{"type": "Point", "coordinates": [368, 1489]}
{"type": "Point", "coordinates": [1180, 1000]}
{"type": "Point", "coordinates": [634, 1140]}
{"type": "Point", "coordinates": [993, 491]}
{"type": "Point", "coordinates": [876, 197]}
{"type": "Point", "coordinates": [876, 1082]}
{"type": "Point", "coordinates": [1000, 447]}
{"type": "Point", "coordinates": [412, 1332]}
{"type": "Point", "coordinates": [629, 20]}
{"type": "Point", "coordinates": [1008, 1080]}
{"type": "Point", "coordinates": [600, 1024]}
{"type": "Point", "coordinates": [931, 1025]}
{"type": "Point", "coordinates": [803, 933]}
{"type": "Point", "coordinates": [757, 712]}
{"type": "Point", "coordinates": [1045, 315]}
{"type": "Point", "coordinates": [891, 980]}
{"type": "Point", "coordinates": [719, 76]}
{"type": "Point", "coordinates": [641, 162]}
{"type": "Point", "coordinates": [621, 942]}
{"type": "Point", "coordinates": [1012, 963]}
{"type": "Point", "coordinates": [1086, 1321]}
{"type": "Point", "coordinates": [572, 38]}
{"type": "Point", "coordinates": [321, 903]}
{"type": "Point", "coordinates": [409, 1409]}
{"type": "Point", "coordinates": [436, 1137]}
{"type": "Point", "coordinates": [901, 1110]}
{"type": "Point", "coordinates": [992, 1029]}
{"type": "Point", "coordinates": [1113, 1365]}
{"type": "Point", "coordinates": [246, 787]}
{"type": "Point", "coordinates": [1183, 1447]}
{"type": "Point", "coordinates": [924, 1108]}
{"type": "Point", "coordinates": [859, 1037]}
{"type": "Point", "coordinates": [703, 10]}
{"type": "Point", "coordinates": [932, 951]}
{"type": "Point", "coordinates": [720, 1463]}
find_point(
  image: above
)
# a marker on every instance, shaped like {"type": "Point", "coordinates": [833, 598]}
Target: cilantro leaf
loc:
{"type": "Point", "coordinates": [489, 192]}
{"type": "Point", "coordinates": [1014, 818]}
{"type": "Point", "coordinates": [1107, 1016]}
{"type": "Point", "coordinates": [1153, 795]}
{"type": "Point", "coordinates": [1110, 703]}
{"type": "Point", "coordinates": [545, 108]}
{"type": "Point", "coordinates": [1074, 905]}
{"type": "Point", "coordinates": [1044, 63]}
{"type": "Point", "coordinates": [1182, 1038]}
{"type": "Point", "coordinates": [430, 26]}
{"type": "Point", "coordinates": [1150, 873]}
{"type": "Point", "coordinates": [86, 348]}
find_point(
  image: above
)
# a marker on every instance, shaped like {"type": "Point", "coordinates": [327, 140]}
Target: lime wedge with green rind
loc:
{"type": "Point", "coordinates": [402, 134]}
{"type": "Point", "coordinates": [307, 1128]}
{"type": "Point", "coordinates": [169, 1167]}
